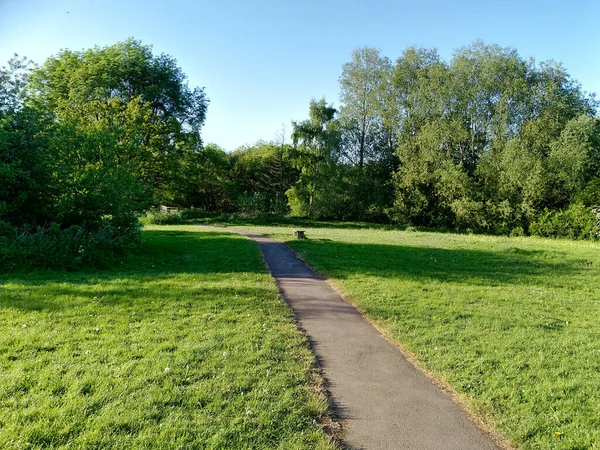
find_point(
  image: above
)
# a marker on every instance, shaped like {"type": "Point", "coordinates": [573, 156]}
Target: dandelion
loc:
{"type": "Point", "coordinates": [167, 369]}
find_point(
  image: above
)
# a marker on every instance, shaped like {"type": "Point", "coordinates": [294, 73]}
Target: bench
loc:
{"type": "Point", "coordinates": [299, 234]}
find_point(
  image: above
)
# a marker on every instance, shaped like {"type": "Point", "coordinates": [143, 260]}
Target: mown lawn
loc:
{"type": "Point", "coordinates": [513, 324]}
{"type": "Point", "coordinates": [186, 346]}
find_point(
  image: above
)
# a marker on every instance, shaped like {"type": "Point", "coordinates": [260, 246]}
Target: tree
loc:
{"type": "Point", "coordinates": [87, 141]}
{"type": "Point", "coordinates": [365, 105]}
{"type": "Point", "coordinates": [24, 166]}
{"type": "Point", "coordinates": [574, 160]}
{"type": "Point", "coordinates": [142, 96]}
{"type": "Point", "coordinates": [262, 173]}
{"type": "Point", "coordinates": [207, 180]}
{"type": "Point", "coordinates": [316, 145]}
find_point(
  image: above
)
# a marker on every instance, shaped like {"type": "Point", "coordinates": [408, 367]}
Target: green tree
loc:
{"type": "Point", "coordinates": [24, 166]}
{"type": "Point", "coordinates": [363, 97]}
{"type": "Point", "coordinates": [574, 160]}
{"type": "Point", "coordinates": [207, 180]}
{"type": "Point", "coordinates": [143, 96]}
{"type": "Point", "coordinates": [316, 146]}
{"type": "Point", "coordinates": [87, 141]}
{"type": "Point", "coordinates": [489, 140]}
{"type": "Point", "coordinates": [262, 173]}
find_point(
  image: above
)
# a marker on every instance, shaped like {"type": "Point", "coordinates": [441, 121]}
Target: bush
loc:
{"type": "Point", "coordinates": [517, 231]}
{"type": "Point", "coordinates": [575, 222]}
{"type": "Point", "coordinates": [162, 217]}
{"type": "Point", "coordinates": [72, 248]}
{"type": "Point", "coordinates": [172, 217]}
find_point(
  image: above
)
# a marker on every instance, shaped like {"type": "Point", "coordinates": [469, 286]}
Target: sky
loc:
{"type": "Point", "coordinates": [261, 62]}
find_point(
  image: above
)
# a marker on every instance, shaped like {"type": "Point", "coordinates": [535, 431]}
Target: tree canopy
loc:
{"type": "Point", "coordinates": [92, 138]}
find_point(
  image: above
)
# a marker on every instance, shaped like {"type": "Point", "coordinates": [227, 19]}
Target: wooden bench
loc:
{"type": "Point", "coordinates": [299, 234]}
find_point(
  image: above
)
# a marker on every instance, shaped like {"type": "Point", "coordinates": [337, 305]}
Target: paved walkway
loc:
{"type": "Point", "coordinates": [382, 400]}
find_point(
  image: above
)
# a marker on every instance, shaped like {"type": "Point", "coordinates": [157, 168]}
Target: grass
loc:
{"type": "Point", "coordinates": [511, 323]}
{"type": "Point", "coordinates": [188, 345]}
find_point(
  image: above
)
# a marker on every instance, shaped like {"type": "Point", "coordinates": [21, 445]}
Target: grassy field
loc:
{"type": "Point", "coordinates": [511, 323]}
{"type": "Point", "coordinates": [186, 346]}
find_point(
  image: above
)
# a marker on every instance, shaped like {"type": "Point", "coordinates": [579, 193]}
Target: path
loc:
{"type": "Point", "coordinates": [381, 399]}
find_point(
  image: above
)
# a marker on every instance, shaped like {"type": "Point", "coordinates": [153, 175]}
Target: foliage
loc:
{"type": "Point", "coordinates": [206, 182]}
{"type": "Point", "coordinates": [315, 143]}
{"type": "Point", "coordinates": [160, 217]}
{"type": "Point", "coordinates": [262, 173]}
{"type": "Point", "coordinates": [489, 140]}
{"type": "Point", "coordinates": [575, 222]}
{"type": "Point", "coordinates": [366, 133]}
{"type": "Point", "coordinates": [25, 171]}
{"type": "Point", "coordinates": [87, 141]}
{"type": "Point", "coordinates": [156, 216]}
{"type": "Point", "coordinates": [139, 101]}
{"type": "Point", "coordinates": [73, 248]}
{"type": "Point", "coordinates": [485, 142]}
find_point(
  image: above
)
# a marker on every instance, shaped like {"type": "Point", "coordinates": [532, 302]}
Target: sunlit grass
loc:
{"type": "Point", "coordinates": [511, 323]}
{"type": "Point", "coordinates": [186, 346]}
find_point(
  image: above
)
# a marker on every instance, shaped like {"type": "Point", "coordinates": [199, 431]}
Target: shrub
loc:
{"type": "Point", "coordinates": [252, 203]}
{"type": "Point", "coordinates": [517, 231]}
{"type": "Point", "coordinates": [72, 248]}
{"type": "Point", "coordinates": [575, 222]}
{"type": "Point", "coordinates": [162, 217]}
{"type": "Point", "coordinates": [194, 213]}
{"type": "Point", "coordinates": [172, 217]}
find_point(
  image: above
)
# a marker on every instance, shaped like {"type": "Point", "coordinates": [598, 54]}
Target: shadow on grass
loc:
{"type": "Point", "coordinates": [152, 272]}
{"type": "Point", "coordinates": [292, 222]}
{"type": "Point", "coordinates": [465, 266]}
{"type": "Point", "coordinates": [55, 297]}
{"type": "Point", "coordinates": [298, 222]}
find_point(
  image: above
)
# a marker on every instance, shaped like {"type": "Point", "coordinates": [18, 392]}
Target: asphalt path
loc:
{"type": "Point", "coordinates": [381, 399]}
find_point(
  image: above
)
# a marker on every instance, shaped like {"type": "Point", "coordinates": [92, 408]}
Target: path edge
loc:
{"type": "Point", "coordinates": [330, 422]}
{"type": "Point", "coordinates": [481, 421]}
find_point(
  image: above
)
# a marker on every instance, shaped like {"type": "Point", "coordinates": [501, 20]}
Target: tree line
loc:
{"type": "Point", "coordinates": [487, 141]}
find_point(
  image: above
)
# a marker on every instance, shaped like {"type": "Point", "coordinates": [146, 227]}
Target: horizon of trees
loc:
{"type": "Point", "coordinates": [486, 141]}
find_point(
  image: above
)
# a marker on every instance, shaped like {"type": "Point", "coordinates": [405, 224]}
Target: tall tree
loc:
{"type": "Point", "coordinates": [316, 144]}
{"type": "Point", "coordinates": [363, 100]}
{"type": "Point", "coordinates": [24, 165]}
{"type": "Point", "coordinates": [128, 88]}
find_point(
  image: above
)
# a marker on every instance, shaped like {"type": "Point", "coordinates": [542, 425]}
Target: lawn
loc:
{"type": "Point", "coordinates": [511, 323]}
{"type": "Point", "coordinates": [187, 345]}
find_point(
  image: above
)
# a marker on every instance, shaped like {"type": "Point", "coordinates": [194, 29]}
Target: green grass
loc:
{"type": "Point", "coordinates": [188, 345]}
{"type": "Point", "coordinates": [513, 324]}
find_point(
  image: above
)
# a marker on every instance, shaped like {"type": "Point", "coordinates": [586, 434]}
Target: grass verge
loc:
{"type": "Point", "coordinates": [510, 323]}
{"type": "Point", "coordinates": [188, 345]}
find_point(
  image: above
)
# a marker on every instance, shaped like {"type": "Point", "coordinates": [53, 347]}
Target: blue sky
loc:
{"type": "Point", "coordinates": [262, 61]}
